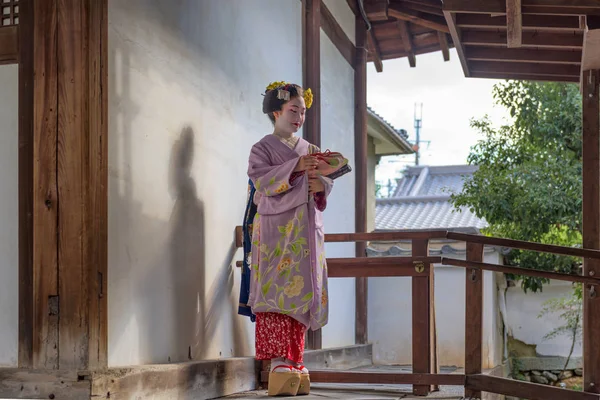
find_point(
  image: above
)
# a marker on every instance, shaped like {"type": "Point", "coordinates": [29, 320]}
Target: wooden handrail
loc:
{"type": "Point", "coordinates": [365, 267]}
{"type": "Point", "coordinates": [520, 271]}
{"type": "Point", "coordinates": [523, 245]}
{"type": "Point", "coordinates": [384, 236]}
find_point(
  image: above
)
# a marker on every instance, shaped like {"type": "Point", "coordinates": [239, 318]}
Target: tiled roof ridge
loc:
{"type": "Point", "coordinates": [400, 132]}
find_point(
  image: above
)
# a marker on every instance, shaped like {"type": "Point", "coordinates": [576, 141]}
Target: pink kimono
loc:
{"type": "Point", "coordinates": [288, 267]}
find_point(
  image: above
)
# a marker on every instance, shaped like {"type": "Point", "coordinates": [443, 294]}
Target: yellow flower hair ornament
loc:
{"type": "Point", "coordinates": [308, 98]}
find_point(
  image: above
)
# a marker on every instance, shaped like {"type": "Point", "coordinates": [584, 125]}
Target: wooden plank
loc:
{"type": "Point", "coordinates": [407, 43]}
{"type": "Point", "coordinates": [591, 228]}
{"type": "Point", "coordinates": [360, 174]}
{"type": "Point", "coordinates": [430, 21]}
{"type": "Point", "coordinates": [9, 45]}
{"type": "Point", "coordinates": [18, 383]}
{"type": "Point", "coordinates": [473, 316]}
{"type": "Point", "coordinates": [96, 244]}
{"type": "Point", "coordinates": [312, 68]}
{"type": "Point", "coordinates": [525, 77]}
{"type": "Point", "coordinates": [382, 378]}
{"type": "Point", "coordinates": [529, 22]}
{"type": "Point", "coordinates": [547, 40]}
{"type": "Point", "coordinates": [421, 321]}
{"type": "Point", "coordinates": [443, 39]}
{"type": "Point", "coordinates": [525, 68]}
{"type": "Point", "coordinates": [386, 266]}
{"type": "Point", "coordinates": [336, 34]}
{"type": "Point", "coordinates": [523, 55]}
{"type": "Point", "coordinates": [559, 7]}
{"type": "Point", "coordinates": [26, 184]}
{"type": "Point", "coordinates": [514, 24]}
{"type": "Point", "coordinates": [72, 228]}
{"type": "Point", "coordinates": [522, 245]}
{"type": "Point", "coordinates": [190, 380]}
{"type": "Point", "coordinates": [520, 389]}
{"type": "Point", "coordinates": [521, 271]}
{"type": "Point", "coordinates": [455, 33]}
{"type": "Point", "coordinates": [45, 191]}
{"type": "Point", "coordinates": [424, 7]}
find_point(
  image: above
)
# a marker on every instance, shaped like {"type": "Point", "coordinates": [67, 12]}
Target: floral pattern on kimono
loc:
{"type": "Point", "coordinates": [288, 270]}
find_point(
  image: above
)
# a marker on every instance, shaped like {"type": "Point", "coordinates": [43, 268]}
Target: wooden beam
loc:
{"type": "Point", "coordinates": [443, 39]}
{"type": "Point", "coordinates": [546, 40]}
{"type": "Point", "coordinates": [523, 55]}
{"type": "Point", "coordinates": [590, 59]}
{"type": "Point", "coordinates": [377, 10]}
{"type": "Point", "coordinates": [378, 266]}
{"type": "Point", "coordinates": [514, 24]}
{"type": "Point", "coordinates": [558, 7]}
{"type": "Point", "coordinates": [473, 316]}
{"type": "Point", "coordinates": [70, 179]}
{"type": "Point", "coordinates": [529, 22]}
{"type": "Point", "coordinates": [422, 349]}
{"type": "Point", "coordinates": [375, 53]}
{"type": "Point", "coordinates": [20, 383]}
{"type": "Point", "coordinates": [312, 68]}
{"type": "Point", "coordinates": [407, 43]}
{"type": "Point", "coordinates": [26, 183]}
{"type": "Point", "coordinates": [525, 68]}
{"type": "Point", "coordinates": [456, 33]}
{"type": "Point", "coordinates": [312, 79]}
{"type": "Point", "coordinates": [430, 21]}
{"type": "Point", "coordinates": [9, 45]}
{"type": "Point", "coordinates": [45, 293]}
{"type": "Point", "coordinates": [354, 7]}
{"type": "Point", "coordinates": [591, 228]}
{"type": "Point", "coordinates": [336, 34]}
{"type": "Point", "coordinates": [361, 168]}
{"type": "Point", "coordinates": [386, 378]}
{"type": "Point", "coordinates": [531, 391]}
{"type": "Point", "coordinates": [525, 77]}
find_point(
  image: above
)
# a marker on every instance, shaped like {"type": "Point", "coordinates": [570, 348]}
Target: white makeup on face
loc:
{"type": "Point", "coordinates": [291, 118]}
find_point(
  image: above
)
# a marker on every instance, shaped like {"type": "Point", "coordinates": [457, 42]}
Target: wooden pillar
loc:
{"type": "Point", "coordinates": [473, 316]}
{"type": "Point", "coordinates": [311, 10]}
{"type": "Point", "coordinates": [63, 319]}
{"type": "Point", "coordinates": [360, 172]}
{"type": "Point", "coordinates": [312, 68]}
{"type": "Point", "coordinates": [591, 228]}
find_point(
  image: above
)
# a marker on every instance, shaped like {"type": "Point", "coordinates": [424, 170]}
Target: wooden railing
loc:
{"type": "Point", "coordinates": [425, 375]}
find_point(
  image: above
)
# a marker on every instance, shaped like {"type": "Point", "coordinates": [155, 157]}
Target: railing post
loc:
{"type": "Point", "coordinates": [424, 341]}
{"type": "Point", "coordinates": [591, 228]}
{"type": "Point", "coordinates": [473, 316]}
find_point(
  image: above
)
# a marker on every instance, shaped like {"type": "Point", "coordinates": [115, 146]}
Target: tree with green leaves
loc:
{"type": "Point", "coordinates": [528, 185]}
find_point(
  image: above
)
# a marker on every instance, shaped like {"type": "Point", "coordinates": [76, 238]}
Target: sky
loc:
{"type": "Point", "coordinates": [449, 101]}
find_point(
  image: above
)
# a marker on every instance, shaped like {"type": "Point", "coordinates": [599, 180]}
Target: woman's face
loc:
{"type": "Point", "coordinates": [291, 117]}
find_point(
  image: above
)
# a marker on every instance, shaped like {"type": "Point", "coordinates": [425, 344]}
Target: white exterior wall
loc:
{"type": "Point", "coordinates": [524, 325]}
{"type": "Point", "coordinates": [9, 220]}
{"type": "Point", "coordinates": [390, 317]}
{"type": "Point", "coordinates": [185, 87]}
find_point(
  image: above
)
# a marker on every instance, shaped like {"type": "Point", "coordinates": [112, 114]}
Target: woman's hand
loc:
{"type": "Point", "coordinates": [306, 163]}
{"type": "Point", "coordinates": [315, 186]}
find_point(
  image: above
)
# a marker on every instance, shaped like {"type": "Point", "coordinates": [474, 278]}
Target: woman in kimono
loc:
{"type": "Point", "coordinates": [288, 274]}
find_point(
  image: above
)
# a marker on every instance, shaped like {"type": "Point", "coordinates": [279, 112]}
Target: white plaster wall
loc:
{"type": "Point", "coordinates": [337, 134]}
{"type": "Point", "coordinates": [523, 322]}
{"type": "Point", "coordinates": [9, 208]}
{"type": "Point", "coordinates": [344, 16]}
{"type": "Point", "coordinates": [185, 94]}
{"type": "Point", "coordinates": [390, 317]}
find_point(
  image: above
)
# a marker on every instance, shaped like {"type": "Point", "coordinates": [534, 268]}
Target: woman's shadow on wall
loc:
{"type": "Point", "coordinates": [187, 254]}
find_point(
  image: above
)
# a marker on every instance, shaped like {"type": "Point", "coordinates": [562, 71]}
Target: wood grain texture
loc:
{"type": "Point", "coordinates": [45, 191]}
{"type": "Point", "coordinates": [26, 183]}
{"type": "Point", "coordinates": [421, 321]}
{"type": "Point", "coordinates": [591, 228]}
{"type": "Point", "coordinates": [473, 316]}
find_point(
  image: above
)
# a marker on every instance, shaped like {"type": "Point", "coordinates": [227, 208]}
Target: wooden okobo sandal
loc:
{"type": "Point", "coordinates": [304, 388]}
{"type": "Point", "coordinates": [284, 381]}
